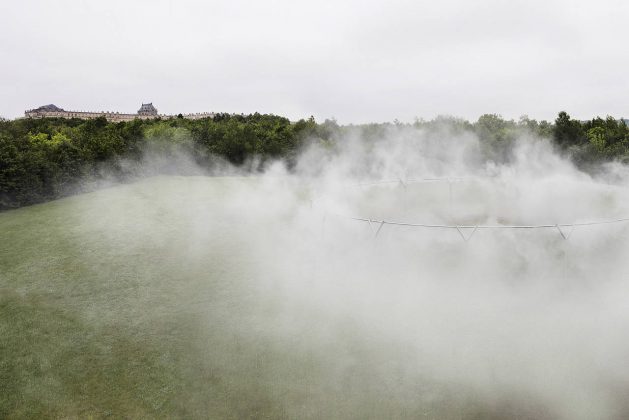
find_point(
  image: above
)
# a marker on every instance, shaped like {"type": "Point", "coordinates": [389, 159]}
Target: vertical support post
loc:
{"type": "Point", "coordinates": [379, 228]}
{"type": "Point", "coordinates": [466, 238]}
{"type": "Point", "coordinates": [565, 235]}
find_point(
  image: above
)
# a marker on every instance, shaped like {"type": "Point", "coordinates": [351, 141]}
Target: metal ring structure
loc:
{"type": "Point", "coordinates": [564, 229]}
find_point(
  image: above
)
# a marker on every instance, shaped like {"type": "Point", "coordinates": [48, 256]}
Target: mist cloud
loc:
{"type": "Point", "coordinates": [511, 322]}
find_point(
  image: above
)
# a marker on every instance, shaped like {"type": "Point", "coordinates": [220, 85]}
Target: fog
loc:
{"type": "Point", "coordinates": [414, 321]}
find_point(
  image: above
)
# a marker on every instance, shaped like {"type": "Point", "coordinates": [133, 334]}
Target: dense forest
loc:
{"type": "Point", "coordinates": [43, 159]}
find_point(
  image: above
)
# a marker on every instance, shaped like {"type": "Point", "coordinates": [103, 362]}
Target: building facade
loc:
{"type": "Point", "coordinates": [146, 111]}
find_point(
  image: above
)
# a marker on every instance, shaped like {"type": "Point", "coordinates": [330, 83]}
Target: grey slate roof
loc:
{"type": "Point", "coordinates": [147, 109]}
{"type": "Point", "coordinates": [49, 108]}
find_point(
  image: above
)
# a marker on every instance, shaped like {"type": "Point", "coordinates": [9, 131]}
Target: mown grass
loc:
{"type": "Point", "coordinates": [94, 317]}
{"type": "Point", "coordinates": [124, 303]}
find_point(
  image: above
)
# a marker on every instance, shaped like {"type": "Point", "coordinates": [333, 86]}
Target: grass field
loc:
{"type": "Point", "coordinates": [108, 308]}
{"type": "Point", "coordinates": [158, 300]}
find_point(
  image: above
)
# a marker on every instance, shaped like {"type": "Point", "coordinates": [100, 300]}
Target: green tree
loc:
{"type": "Point", "coordinates": [596, 136]}
{"type": "Point", "coordinates": [568, 132]}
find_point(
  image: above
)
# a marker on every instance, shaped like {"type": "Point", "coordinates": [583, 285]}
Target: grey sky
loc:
{"type": "Point", "coordinates": [357, 61]}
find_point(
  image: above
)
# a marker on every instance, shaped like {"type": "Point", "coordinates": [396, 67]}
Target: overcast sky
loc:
{"type": "Point", "coordinates": [356, 61]}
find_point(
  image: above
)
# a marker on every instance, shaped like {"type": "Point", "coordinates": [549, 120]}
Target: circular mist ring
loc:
{"type": "Point", "coordinates": [466, 231]}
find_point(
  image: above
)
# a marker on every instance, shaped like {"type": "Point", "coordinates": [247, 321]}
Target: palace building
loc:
{"type": "Point", "coordinates": [146, 111]}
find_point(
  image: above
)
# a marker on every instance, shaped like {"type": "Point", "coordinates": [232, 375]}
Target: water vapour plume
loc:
{"type": "Point", "coordinates": [317, 316]}
{"type": "Point", "coordinates": [522, 320]}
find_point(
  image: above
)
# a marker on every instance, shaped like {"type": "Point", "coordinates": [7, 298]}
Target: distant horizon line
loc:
{"type": "Point", "coordinates": [52, 111]}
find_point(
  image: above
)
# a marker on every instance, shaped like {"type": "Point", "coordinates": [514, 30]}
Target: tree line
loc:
{"type": "Point", "coordinates": [43, 159]}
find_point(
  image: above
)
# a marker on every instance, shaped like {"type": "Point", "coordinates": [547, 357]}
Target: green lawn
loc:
{"type": "Point", "coordinates": [149, 300]}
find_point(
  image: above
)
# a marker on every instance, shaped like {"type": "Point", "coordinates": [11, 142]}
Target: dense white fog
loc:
{"type": "Point", "coordinates": [516, 321]}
